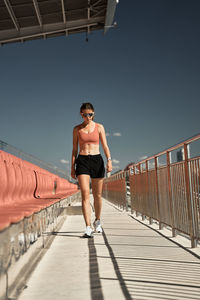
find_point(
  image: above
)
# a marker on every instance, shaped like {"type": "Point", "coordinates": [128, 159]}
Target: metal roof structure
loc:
{"type": "Point", "coordinates": [23, 20]}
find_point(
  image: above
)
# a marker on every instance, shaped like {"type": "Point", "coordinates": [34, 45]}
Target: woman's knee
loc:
{"type": "Point", "coordinates": [97, 196]}
{"type": "Point", "coordinates": [85, 194]}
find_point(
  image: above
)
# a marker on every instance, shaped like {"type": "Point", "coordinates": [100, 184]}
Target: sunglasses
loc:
{"type": "Point", "coordinates": [88, 115]}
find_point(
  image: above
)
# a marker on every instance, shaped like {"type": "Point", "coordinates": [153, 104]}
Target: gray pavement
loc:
{"type": "Point", "coordinates": [128, 261]}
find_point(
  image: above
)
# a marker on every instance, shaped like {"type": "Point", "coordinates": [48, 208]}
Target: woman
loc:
{"type": "Point", "coordinates": [90, 164]}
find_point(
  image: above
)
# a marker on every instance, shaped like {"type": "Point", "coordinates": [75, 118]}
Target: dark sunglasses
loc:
{"type": "Point", "coordinates": [88, 115]}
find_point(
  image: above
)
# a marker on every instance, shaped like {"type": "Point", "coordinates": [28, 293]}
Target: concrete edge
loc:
{"type": "Point", "coordinates": [29, 262]}
{"type": "Point", "coordinates": [13, 279]}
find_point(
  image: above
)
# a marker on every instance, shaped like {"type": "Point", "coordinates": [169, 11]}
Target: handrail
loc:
{"type": "Point", "coordinates": [168, 193]}
{"type": "Point", "coordinates": [172, 148]}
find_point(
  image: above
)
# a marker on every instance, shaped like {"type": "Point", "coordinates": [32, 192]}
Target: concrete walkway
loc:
{"type": "Point", "coordinates": [129, 261]}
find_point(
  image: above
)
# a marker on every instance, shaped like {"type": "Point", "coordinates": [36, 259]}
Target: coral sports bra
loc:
{"type": "Point", "coordinates": [89, 138]}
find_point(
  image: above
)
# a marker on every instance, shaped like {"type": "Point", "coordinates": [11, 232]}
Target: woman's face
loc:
{"type": "Point", "coordinates": [87, 115]}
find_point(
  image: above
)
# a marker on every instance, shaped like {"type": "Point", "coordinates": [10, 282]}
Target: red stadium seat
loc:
{"type": "Point", "coordinates": [26, 189]}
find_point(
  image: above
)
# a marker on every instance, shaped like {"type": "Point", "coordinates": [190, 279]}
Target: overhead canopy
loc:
{"type": "Point", "coordinates": [22, 20]}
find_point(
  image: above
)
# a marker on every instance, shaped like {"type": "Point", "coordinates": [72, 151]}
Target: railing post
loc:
{"type": "Point", "coordinates": [157, 193]}
{"type": "Point", "coordinates": [147, 189]}
{"type": "Point", "coordinates": [105, 190]}
{"type": "Point", "coordinates": [131, 173]}
{"type": "Point", "coordinates": [120, 198]}
{"type": "Point", "coordinates": [126, 174]}
{"type": "Point", "coordinates": [189, 199]}
{"type": "Point", "coordinates": [122, 176]}
{"type": "Point", "coordinates": [170, 194]}
{"type": "Point", "coordinates": [140, 194]}
{"type": "Point", "coordinates": [138, 184]}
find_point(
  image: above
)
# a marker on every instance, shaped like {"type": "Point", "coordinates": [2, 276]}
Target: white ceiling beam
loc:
{"type": "Point", "coordinates": [88, 13]}
{"type": "Point", "coordinates": [12, 14]}
{"type": "Point", "coordinates": [99, 12]}
{"type": "Point", "coordinates": [88, 10]}
{"type": "Point", "coordinates": [44, 35]}
{"type": "Point", "coordinates": [37, 10]}
{"type": "Point", "coordinates": [95, 4]}
{"type": "Point", "coordinates": [48, 29]}
{"type": "Point", "coordinates": [63, 11]}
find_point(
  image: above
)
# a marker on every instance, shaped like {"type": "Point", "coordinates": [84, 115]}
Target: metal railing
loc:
{"type": "Point", "coordinates": [28, 157]}
{"type": "Point", "coordinates": [114, 189]}
{"type": "Point", "coordinates": [164, 187]}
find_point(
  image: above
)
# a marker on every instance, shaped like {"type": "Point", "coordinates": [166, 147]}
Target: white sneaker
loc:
{"type": "Point", "coordinates": [97, 226]}
{"type": "Point", "coordinates": [88, 232]}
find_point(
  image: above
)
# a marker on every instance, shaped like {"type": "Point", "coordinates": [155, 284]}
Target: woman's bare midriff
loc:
{"type": "Point", "coordinates": [89, 149]}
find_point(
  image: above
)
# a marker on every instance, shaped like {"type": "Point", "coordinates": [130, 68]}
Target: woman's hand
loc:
{"type": "Point", "coordinates": [73, 174]}
{"type": "Point", "coordinates": [109, 166]}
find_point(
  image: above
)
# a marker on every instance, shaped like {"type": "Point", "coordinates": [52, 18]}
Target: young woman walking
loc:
{"type": "Point", "coordinates": [89, 164]}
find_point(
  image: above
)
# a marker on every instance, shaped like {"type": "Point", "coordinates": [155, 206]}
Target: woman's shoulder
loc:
{"type": "Point", "coordinates": [99, 126]}
{"type": "Point", "coordinates": [77, 127]}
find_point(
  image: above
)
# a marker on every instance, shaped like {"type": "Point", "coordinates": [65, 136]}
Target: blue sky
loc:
{"type": "Point", "coordinates": [142, 77]}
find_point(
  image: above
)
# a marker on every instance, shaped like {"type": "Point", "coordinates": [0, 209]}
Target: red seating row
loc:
{"type": "Point", "coordinates": [26, 188]}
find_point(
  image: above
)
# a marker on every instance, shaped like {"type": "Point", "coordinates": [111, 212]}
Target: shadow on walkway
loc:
{"type": "Point", "coordinates": [127, 261]}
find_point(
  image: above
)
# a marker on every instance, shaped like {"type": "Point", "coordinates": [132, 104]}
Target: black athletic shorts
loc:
{"type": "Point", "coordinates": [92, 165]}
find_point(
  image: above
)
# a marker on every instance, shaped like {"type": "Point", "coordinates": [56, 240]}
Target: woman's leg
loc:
{"type": "Point", "coordinates": [97, 185]}
{"type": "Point", "coordinates": [84, 182]}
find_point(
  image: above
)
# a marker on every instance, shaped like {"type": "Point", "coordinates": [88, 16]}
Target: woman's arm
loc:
{"type": "Point", "coordinates": [106, 150]}
{"type": "Point", "coordinates": [74, 152]}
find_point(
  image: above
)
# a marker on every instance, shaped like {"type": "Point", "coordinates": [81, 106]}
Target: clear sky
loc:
{"type": "Point", "coordinates": [142, 77]}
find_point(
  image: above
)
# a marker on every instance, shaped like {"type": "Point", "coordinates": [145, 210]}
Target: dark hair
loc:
{"type": "Point", "coordinates": [86, 105]}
